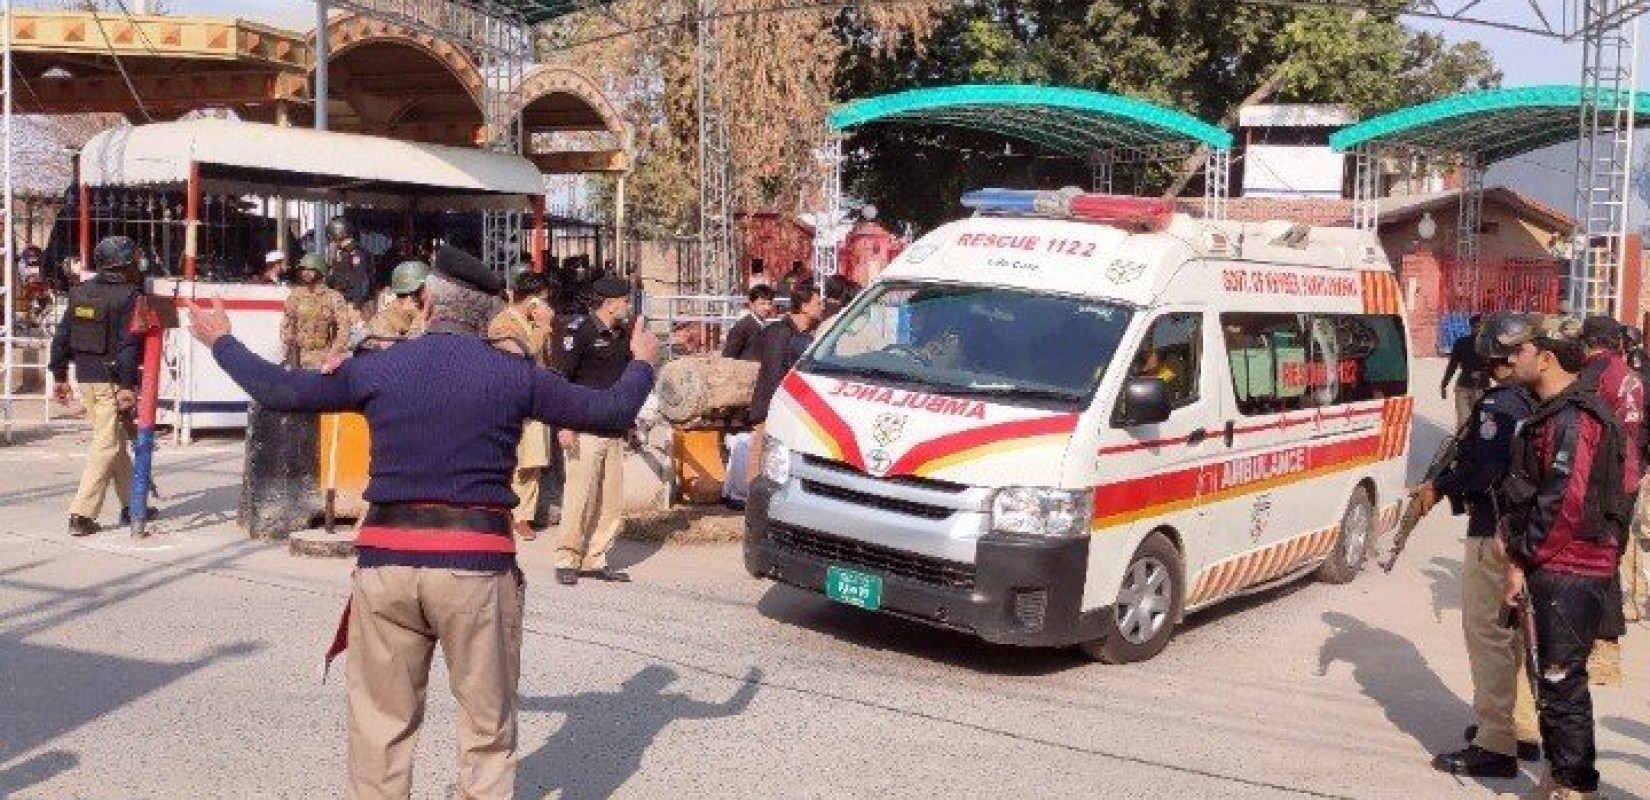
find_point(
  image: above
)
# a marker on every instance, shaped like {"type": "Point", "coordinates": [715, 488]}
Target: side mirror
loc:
{"type": "Point", "coordinates": [1145, 401]}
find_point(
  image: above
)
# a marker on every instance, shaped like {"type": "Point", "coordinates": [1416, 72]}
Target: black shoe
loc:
{"type": "Point", "coordinates": [1476, 762]}
{"type": "Point", "coordinates": [83, 526]}
{"type": "Point", "coordinates": [606, 574]}
{"type": "Point", "coordinates": [733, 504]}
{"type": "Point", "coordinates": [1527, 751]}
{"type": "Point", "coordinates": [149, 515]}
{"type": "Point", "coordinates": [567, 577]}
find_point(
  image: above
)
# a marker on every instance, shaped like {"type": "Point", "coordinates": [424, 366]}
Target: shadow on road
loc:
{"type": "Point", "coordinates": [1425, 437]}
{"type": "Point", "coordinates": [50, 691]}
{"type": "Point", "coordinates": [1391, 671]}
{"type": "Point", "coordinates": [1445, 574]}
{"type": "Point", "coordinates": [792, 606]}
{"type": "Point", "coordinates": [1632, 729]}
{"type": "Point", "coordinates": [601, 742]}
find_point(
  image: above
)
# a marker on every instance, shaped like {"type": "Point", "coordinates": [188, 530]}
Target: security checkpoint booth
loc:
{"type": "Point", "coordinates": [227, 192]}
{"type": "Point", "coordinates": [1590, 269]}
{"type": "Point", "coordinates": [204, 200]}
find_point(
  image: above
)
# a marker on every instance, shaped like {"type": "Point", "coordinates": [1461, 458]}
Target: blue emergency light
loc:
{"type": "Point", "coordinates": [1139, 214]}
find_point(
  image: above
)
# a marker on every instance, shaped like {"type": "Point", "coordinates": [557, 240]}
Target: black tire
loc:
{"type": "Point", "coordinates": [1356, 537]}
{"type": "Point", "coordinates": [1125, 639]}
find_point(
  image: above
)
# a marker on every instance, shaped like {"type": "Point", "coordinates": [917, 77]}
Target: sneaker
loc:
{"type": "Point", "coordinates": [567, 577]}
{"type": "Point", "coordinates": [1527, 751]}
{"type": "Point", "coordinates": [149, 515]}
{"type": "Point", "coordinates": [82, 526]}
{"type": "Point", "coordinates": [1476, 762]}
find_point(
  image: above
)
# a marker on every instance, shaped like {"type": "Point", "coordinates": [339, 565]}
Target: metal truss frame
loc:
{"type": "Point", "coordinates": [718, 247]}
{"type": "Point", "coordinates": [1567, 20]}
{"type": "Point", "coordinates": [1603, 170]}
{"type": "Point", "coordinates": [830, 213]}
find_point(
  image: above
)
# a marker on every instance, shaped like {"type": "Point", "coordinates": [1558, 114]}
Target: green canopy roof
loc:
{"type": "Point", "coordinates": [1072, 121]}
{"type": "Point", "coordinates": [538, 11]}
{"type": "Point", "coordinates": [1494, 124]}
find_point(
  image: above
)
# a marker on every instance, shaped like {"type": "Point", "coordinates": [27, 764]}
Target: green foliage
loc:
{"type": "Point", "coordinates": [1204, 57]}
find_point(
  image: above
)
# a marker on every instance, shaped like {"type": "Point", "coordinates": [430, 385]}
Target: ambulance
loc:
{"type": "Point", "coordinates": [1073, 419]}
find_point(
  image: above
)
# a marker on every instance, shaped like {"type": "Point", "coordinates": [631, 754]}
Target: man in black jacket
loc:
{"type": "Point", "coordinates": [779, 347]}
{"type": "Point", "coordinates": [759, 311]}
{"type": "Point", "coordinates": [96, 336]}
{"type": "Point", "coordinates": [1468, 370]}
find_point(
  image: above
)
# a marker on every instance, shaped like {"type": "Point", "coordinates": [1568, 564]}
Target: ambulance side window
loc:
{"type": "Point", "coordinates": [1286, 362]}
{"type": "Point", "coordinates": [1172, 350]}
{"type": "Point", "coordinates": [1267, 353]}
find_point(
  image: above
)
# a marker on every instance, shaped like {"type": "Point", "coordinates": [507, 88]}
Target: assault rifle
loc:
{"type": "Point", "coordinates": [1532, 651]}
{"type": "Point", "coordinates": [1412, 507]}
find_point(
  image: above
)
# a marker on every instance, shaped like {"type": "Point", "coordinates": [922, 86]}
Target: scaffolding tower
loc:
{"type": "Point", "coordinates": [718, 265]}
{"type": "Point", "coordinates": [1604, 156]}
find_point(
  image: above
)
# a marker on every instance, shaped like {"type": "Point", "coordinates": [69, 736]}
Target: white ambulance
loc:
{"type": "Point", "coordinates": [1075, 418]}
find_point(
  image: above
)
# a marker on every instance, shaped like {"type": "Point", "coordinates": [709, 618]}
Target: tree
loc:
{"type": "Point", "coordinates": [1204, 57]}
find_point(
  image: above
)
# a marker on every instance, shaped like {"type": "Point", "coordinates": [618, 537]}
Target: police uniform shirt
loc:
{"type": "Point", "coordinates": [95, 334]}
{"type": "Point", "coordinates": [1485, 453]}
{"type": "Point", "coordinates": [591, 354]}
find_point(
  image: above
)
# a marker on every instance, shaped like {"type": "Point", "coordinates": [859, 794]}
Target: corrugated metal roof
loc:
{"type": "Point", "coordinates": [1494, 124]}
{"type": "Point", "coordinates": [1073, 121]}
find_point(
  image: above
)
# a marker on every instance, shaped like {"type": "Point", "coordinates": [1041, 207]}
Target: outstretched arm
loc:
{"type": "Point", "coordinates": [560, 403]}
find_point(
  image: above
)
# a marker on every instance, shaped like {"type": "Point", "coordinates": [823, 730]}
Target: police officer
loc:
{"type": "Point", "coordinates": [401, 310]}
{"type": "Point", "coordinates": [351, 266]}
{"type": "Point", "coordinates": [96, 336]}
{"type": "Point", "coordinates": [1565, 511]}
{"type": "Point", "coordinates": [315, 325]}
{"type": "Point", "coordinates": [591, 352]}
{"type": "Point", "coordinates": [1468, 370]}
{"type": "Point", "coordinates": [523, 328]}
{"type": "Point", "coordinates": [1505, 729]}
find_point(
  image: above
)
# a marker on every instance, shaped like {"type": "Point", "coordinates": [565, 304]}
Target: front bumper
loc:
{"type": "Point", "coordinates": [1020, 590]}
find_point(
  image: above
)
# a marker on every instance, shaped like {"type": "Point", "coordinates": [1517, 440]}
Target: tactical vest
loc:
{"type": "Point", "coordinates": [1608, 507]}
{"type": "Point", "coordinates": [312, 320]}
{"type": "Point", "coordinates": [94, 316]}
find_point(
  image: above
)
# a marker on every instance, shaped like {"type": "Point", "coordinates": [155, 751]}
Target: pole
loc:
{"type": "Point", "coordinates": [323, 55]}
{"type": "Point", "coordinates": [618, 222]}
{"type": "Point", "coordinates": [538, 238]}
{"type": "Point", "coordinates": [10, 279]}
{"type": "Point", "coordinates": [147, 323]}
{"type": "Point", "coordinates": [1621, 302]}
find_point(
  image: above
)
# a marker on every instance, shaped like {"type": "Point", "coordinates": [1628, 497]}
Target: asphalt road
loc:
{"type": "Point", "coordinates": [191, 669]}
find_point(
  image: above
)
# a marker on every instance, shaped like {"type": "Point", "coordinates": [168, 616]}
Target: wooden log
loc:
{"type": "Point", "coordinates": [693, 388]}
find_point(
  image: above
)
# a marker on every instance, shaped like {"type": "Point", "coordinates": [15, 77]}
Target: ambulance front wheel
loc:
{"type": "Point", "coordinates": [1352, 545]}
{"type": "Point", "coordinates": [1143, 618]}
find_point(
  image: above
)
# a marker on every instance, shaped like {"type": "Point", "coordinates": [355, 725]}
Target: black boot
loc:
{"type": "Point", "coordinates": [82, 526]}
{"type": "Point", "coordinates": [149, 515]}
{"type": "Point", "coordinates": [567, 577]}
{"type": "Point", "coordinates": [1476, 762]}
{"type": "Point", "coordinates": [1527, 751]}
{"type": "Point", "coordinates": [606, 574]}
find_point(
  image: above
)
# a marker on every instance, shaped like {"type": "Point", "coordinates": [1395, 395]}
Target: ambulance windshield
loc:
{"type": "Point", "coordinates": [974, 340]}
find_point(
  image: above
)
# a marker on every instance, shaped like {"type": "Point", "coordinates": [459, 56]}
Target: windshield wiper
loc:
{"type": "Point", "coordinates": [1010, 390]}
{"type": "Point", "coordinates": [861, 372]}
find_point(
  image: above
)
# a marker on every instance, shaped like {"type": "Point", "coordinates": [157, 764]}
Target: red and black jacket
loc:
{"type": "Point", "coordinates": [1566, 509]}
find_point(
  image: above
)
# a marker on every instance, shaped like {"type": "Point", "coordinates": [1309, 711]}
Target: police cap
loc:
{"type": "Point", "coordinates": [115, 252]}
{"type": "Point", "coordinates": [339, 229]}
{"type": "Point", "coordinates": [609, 286]}
{"type": "Point", "coordinates": [408, 277]}
{"type": "Point", "coordinates": [314, 262]}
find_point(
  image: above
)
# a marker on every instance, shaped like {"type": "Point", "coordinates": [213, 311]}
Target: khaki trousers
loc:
{"type": "Point", "coordinates": [592, 502]}
{"type": "Point", "coordinates": [397, 616]}
{"type": "Point", "coordinates": [532, 456]}
{"type": "Point", "coordinates": [1501, 699]}
{"type": "Point", "coordinates": [108, 460]}
{"type": "Point", "coordinates": [1465, 400]}
{"type": "Point", "coordinates": [1635, 586]}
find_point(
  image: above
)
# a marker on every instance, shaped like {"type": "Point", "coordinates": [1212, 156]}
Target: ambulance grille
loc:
{"type": "Point", "coordinates": [906, 480]}
{"type": "Point", "coordinates": [858, 498]}
{"type": "Point", "coordinates": [850, 553]}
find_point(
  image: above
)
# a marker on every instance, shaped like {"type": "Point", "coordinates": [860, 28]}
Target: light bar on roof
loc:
{"type": "Point", "coordinates": [1136, 214]}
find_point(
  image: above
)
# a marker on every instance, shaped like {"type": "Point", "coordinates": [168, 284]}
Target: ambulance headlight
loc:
{"type": "Point", "coordinates": [776, 460]}
{"type": "Point", "coordinates": [1041, 512]}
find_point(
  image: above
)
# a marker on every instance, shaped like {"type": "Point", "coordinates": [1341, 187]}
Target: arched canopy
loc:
{"type": "Point", "coordinates": [1071, 121]}
{"type": "Point", "coordinates": [1492, 125]}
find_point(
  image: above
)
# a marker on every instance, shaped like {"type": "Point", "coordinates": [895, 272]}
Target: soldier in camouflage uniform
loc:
{"type": "Point", "coordinates": [401, 308]}
{"type": "Point", "coordinates": [315, 328]}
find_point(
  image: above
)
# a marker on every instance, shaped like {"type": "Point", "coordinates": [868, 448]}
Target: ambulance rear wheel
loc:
{"type": "Point", "coordinates": [1143, 618]}
{"type": "Point", "coordinates": [1352, 546]}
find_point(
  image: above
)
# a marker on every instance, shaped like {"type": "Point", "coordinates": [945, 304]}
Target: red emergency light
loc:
{"type": "Point", "coordinates": [1133, 214]}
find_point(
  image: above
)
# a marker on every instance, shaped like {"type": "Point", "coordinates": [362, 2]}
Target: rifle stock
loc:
{"type": "Point", "coordinates": [1412, 507]}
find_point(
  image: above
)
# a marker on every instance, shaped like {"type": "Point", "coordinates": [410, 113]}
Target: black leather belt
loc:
{"type": "Point", "coordinates": [429, 517]}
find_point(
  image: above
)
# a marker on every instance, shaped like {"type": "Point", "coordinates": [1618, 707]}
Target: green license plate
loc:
{"type": "Point", "coordinates": [854, 588]}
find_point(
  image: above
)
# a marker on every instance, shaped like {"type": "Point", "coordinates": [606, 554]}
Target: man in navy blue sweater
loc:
{"type": "Point", "coordinates": [436, 556]}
